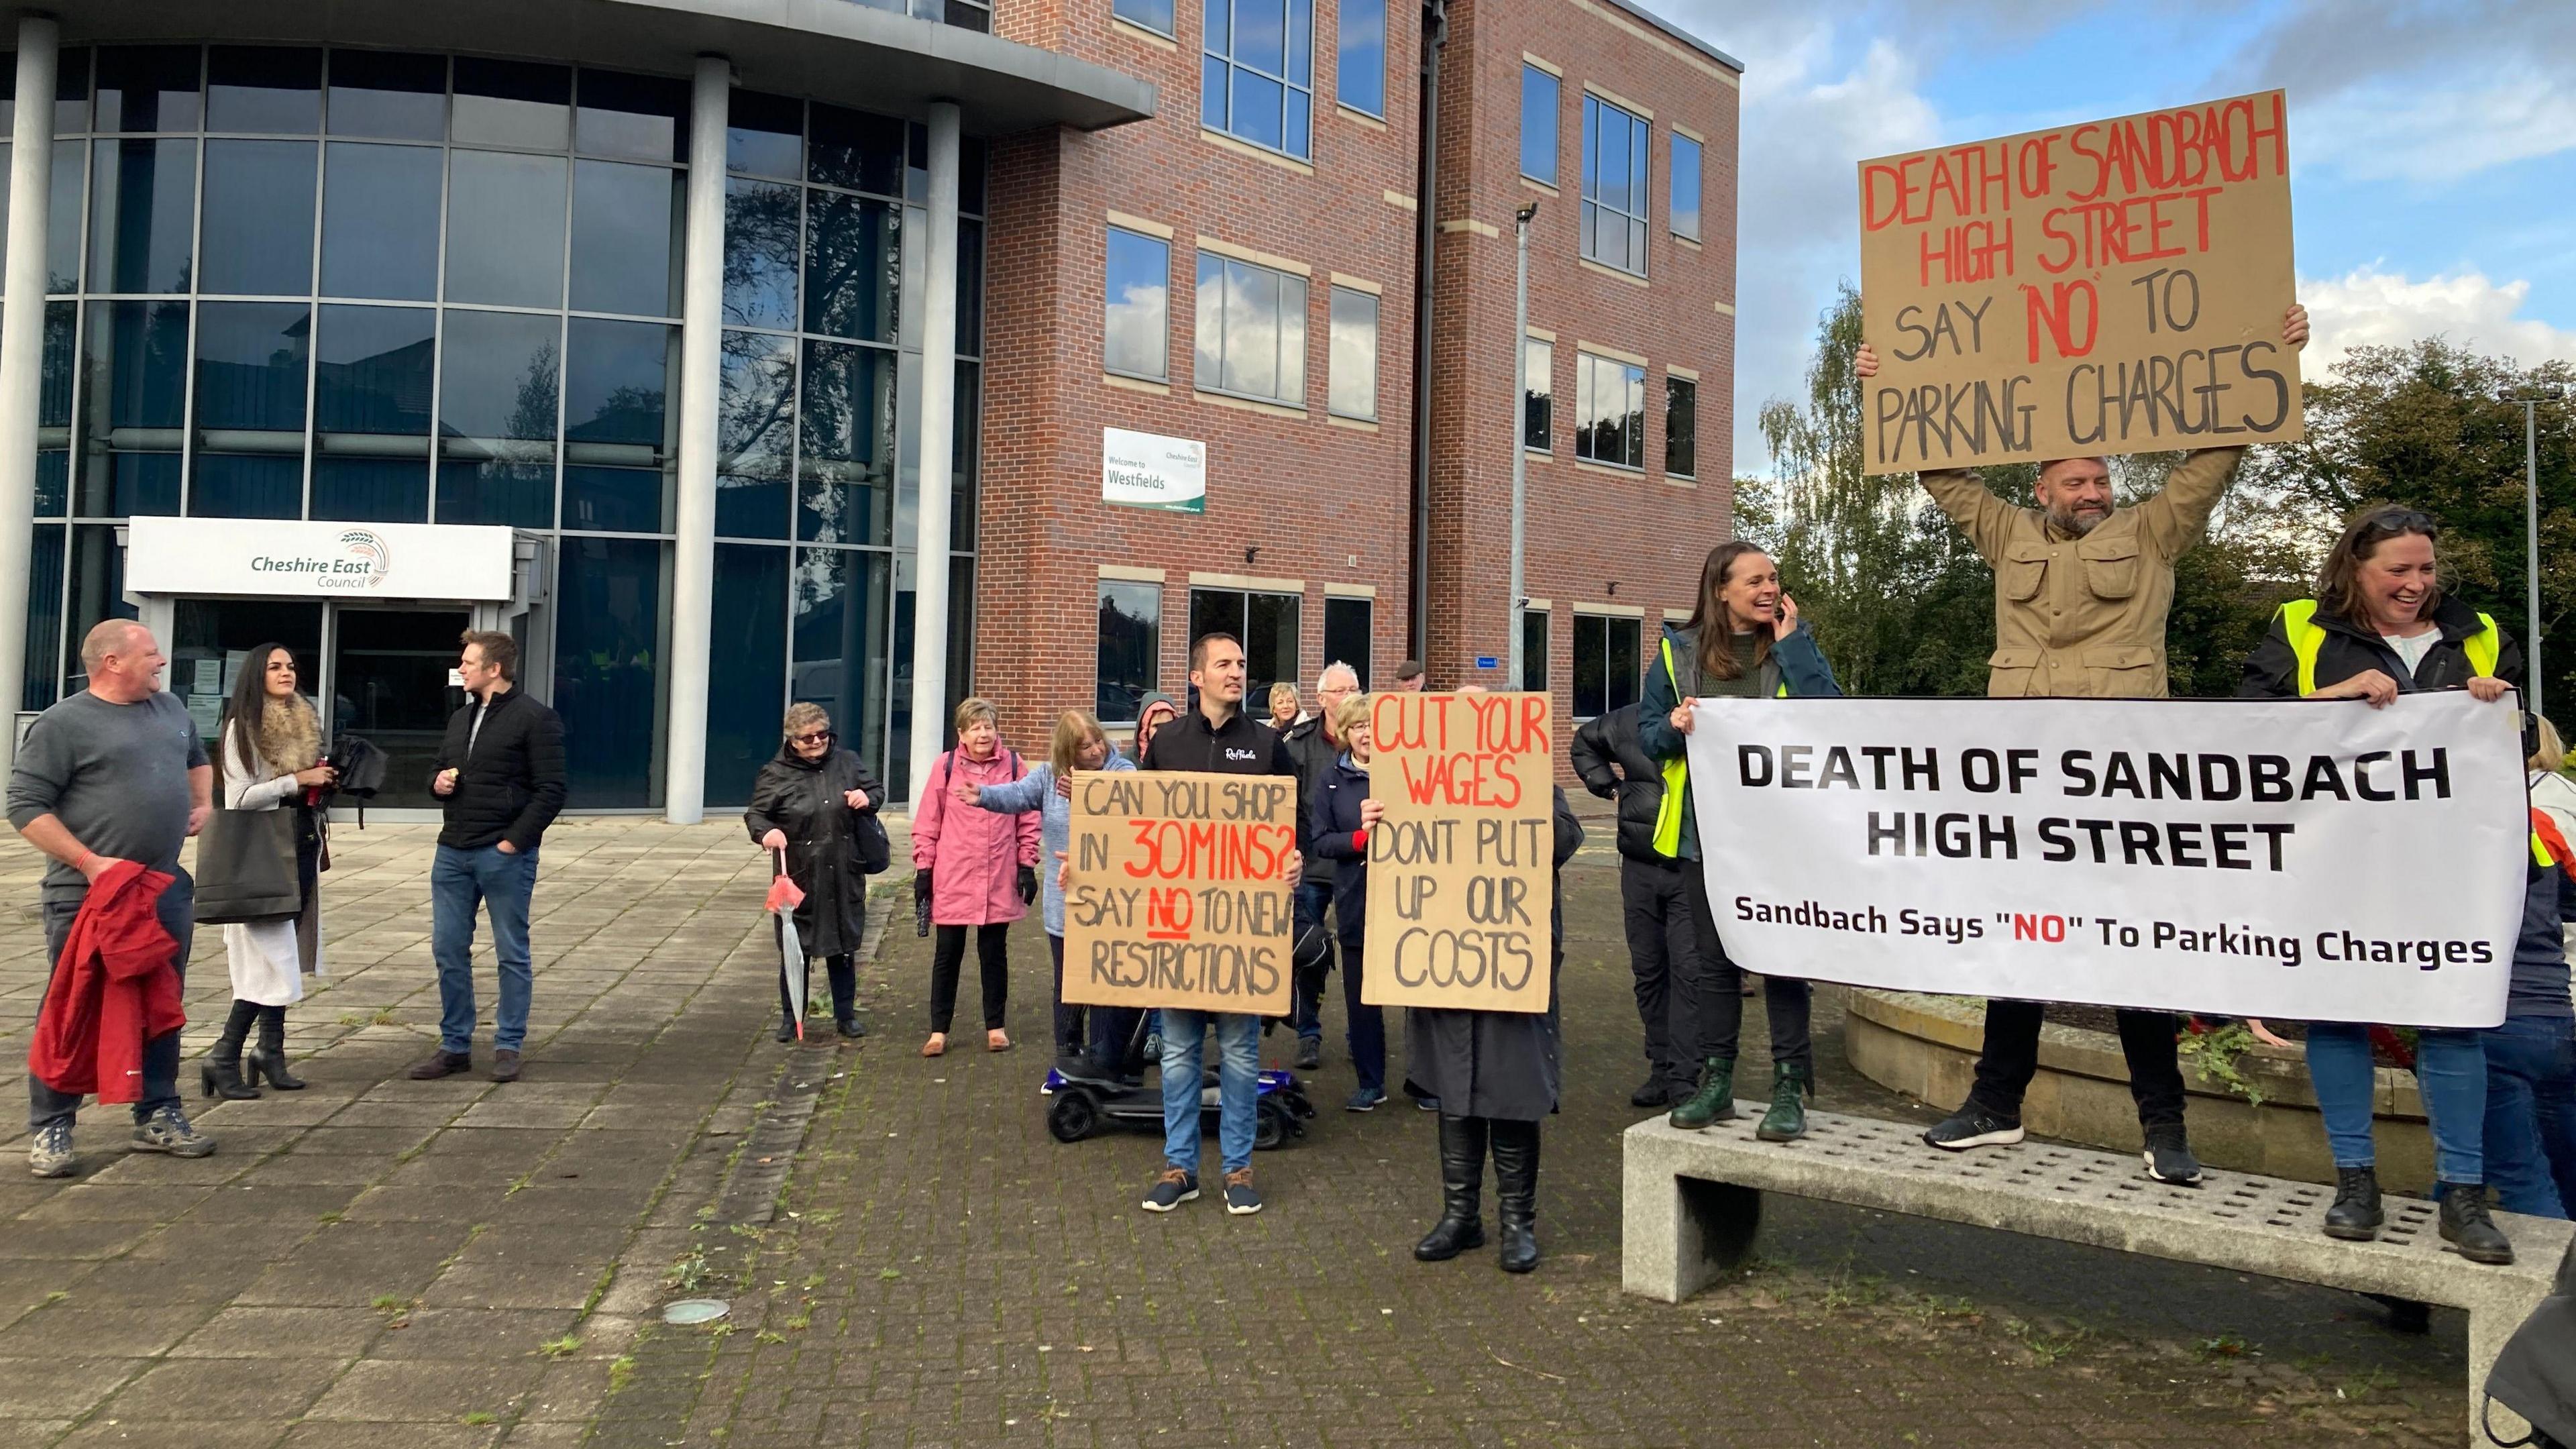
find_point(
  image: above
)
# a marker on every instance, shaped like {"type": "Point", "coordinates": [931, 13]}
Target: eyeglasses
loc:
{"type": "Point", "coordinates": [2404, 520]}
{"type": "Point", "coordinates": [816, 738]}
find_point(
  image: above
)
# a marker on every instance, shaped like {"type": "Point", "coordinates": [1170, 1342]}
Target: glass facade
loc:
{"type": "Point", "coordinates": [299, 283]}
{"type": "Point", "coordinates": [818, 445]}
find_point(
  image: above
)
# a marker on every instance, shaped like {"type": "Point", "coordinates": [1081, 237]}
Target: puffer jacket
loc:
{"type": "Point", "coordinates": [1614, 766]}
{"type": "Point", "coordinates": [510, 785]}
{"type": "Point", "coordinates": [1315, 754]}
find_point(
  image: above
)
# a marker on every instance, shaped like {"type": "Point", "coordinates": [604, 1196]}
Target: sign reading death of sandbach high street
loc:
{"type": "Point", "coordinates": [2110, 287]}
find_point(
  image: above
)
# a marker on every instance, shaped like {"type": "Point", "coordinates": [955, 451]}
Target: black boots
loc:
{"type": "Point", "coordinates": [2354, 1215]}
{"type": "Point", "coordinates": [1516, 1185]}
{"type": "Point", "coordinates": [2466, 1226]}
{"type": "Point", "coordinates": [220, 1074]}
{"type": "Point", "coordinates": [270, 1060]}
{"type": "Point", "coordinates": [1462, 1178]}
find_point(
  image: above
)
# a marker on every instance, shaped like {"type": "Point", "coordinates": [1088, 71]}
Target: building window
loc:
{"type": "Point", "coordinates": [1538, 398]}
{"type": "Point", "coordinates": [1251, 331]}
{"type": "Point", "coordinates": [1607, 663]}
{"type": "Point", "coordinates": [1346, 635]}
{"type": "Point", "coordinates": [1534, 650]}
{"type": "Point", "coordinates": [1257, 80]}
{"type": "Point", "coordinates": [1681, 427]}
{"type": "Point", "coordinates": [1267, 625]}
{"type": "Point", "coordinates": [1140, 305]}
{"type": "Point", "coordinates": [1360, 78]}
{"type": "Point", "coordinates": [1609, 411]}
{"type": "Point", "coordinates": [1354, 354]}
{"type": "Point", "coordinates": [1131, 641]}
{"type": "Point", "coordinates": [1684, 204]}
{"type": "Point", "coordinates": [1614, 187]}
{"type": "Point", "coordinates": [1538, 124]}
{"type": "Point", "coordinates": [1153, 15]}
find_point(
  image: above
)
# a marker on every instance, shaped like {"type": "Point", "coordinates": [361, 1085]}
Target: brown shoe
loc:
{"type": "Point", "coordinates": [505, 1065]}
{"type": "Point", "coordinates": [441, 1063]}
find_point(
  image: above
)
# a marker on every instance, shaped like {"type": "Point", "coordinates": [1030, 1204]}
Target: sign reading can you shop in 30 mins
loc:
{"type": "Point", "coordinates": [2111, 287]}
{"type": "Point", "coordinates": [1461, 868]}
{"type": "Point", "coordinates": [1176, 892]}
{"type": "Point", "coordinates": [2304, 860]}
{"type": "Point", "coordinates": [1148, 470]}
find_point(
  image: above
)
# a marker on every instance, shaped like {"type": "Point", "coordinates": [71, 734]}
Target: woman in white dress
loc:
{"type": "Point", "coordinates": [271, 759]}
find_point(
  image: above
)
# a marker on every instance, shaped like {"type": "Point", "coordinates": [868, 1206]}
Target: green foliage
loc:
{"type": "Point", "coordinates": [2217, 1053]}
{"type": "Point", "coordinates": [1902, 605]}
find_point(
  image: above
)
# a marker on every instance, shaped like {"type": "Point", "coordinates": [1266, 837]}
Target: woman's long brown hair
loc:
{"type": "Point", "coordinates": [2338, 584]}
{"type": "Point", "coordinates": [1716, 631]}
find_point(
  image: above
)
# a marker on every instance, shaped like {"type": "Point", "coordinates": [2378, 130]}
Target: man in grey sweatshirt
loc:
{"type": "Point", "coordinates": [112, 774]}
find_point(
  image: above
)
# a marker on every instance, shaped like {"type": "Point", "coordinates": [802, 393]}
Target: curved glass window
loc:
{"type": "Point", "coordinates": [380, 221]}
{"type": "Point", "coordinates": [626, 229]}
{"type": "Point", "coordinates": [388, 95]}
{"type": "Point", "coordinates": [258, 225]}
{"type": "Point", "coordinates": [505, 228]}
{"type": "Point", "coordinates": [143, 207]}
{"type": "Point", "coordinates": [249, 422]}
{"type": "Point", "coordinates": [263, 91]}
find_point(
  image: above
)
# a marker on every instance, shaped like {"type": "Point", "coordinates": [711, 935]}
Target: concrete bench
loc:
{"type": "Point", "coordinates": [1693, 1201]}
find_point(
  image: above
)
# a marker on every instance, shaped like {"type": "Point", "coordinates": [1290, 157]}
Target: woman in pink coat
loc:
{"type": "Point", "coordinates": [975, 868]}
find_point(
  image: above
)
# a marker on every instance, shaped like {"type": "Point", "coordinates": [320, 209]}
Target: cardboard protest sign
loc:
{"type": "Point", "coordinates": [2286, 859]}
{"type": "Point", "coordinates": [1460, 868]}
{"type": "Point", "coordinates": [2110, 287]}
{"type": "Point", "coordinates": [1176, 893]}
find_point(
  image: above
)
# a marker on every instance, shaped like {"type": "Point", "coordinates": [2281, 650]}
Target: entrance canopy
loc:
{"type": "Point", "coordinates": [285, 558]}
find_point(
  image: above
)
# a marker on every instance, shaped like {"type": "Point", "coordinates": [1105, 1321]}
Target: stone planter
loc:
{"type": "Point", "coordinates": [1926, 1047]}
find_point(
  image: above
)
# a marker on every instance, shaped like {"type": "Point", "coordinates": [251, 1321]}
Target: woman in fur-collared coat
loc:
{"type": "Point", "coordinates": [270, 759]}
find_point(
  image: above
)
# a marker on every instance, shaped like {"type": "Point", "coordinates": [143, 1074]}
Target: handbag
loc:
{"type": "Point", "coordinates": [246, 868]}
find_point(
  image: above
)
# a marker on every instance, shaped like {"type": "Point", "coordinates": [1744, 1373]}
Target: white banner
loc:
{"type": "Point", "coordinates": [1148, 470]}
{"type": "Point", "coordinates": [2300, 860]}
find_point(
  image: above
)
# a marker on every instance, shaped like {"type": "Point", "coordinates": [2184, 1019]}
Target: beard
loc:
{"type": "Point", "coordinates": [2078, 523]}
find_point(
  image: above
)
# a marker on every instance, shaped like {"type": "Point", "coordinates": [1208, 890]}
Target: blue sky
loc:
{"type": "Point", "coordinates": [2433, 146]}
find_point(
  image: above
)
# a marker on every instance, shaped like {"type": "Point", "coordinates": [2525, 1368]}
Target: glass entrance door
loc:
{"type": "Point", "coordinates": [211, 638]}
{"type": "Point", "coordinates": [389, 683]}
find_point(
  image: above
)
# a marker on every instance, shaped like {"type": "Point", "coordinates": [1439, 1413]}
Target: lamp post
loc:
{"type": "Point", "coordinates": [2530, 402]}
{"type": "Point", "coordinates": [1520, 441]}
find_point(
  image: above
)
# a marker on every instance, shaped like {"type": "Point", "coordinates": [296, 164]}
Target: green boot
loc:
{"type": "Point", "coordinates": [1787, 1118]}
{"type": "Point", "coordinates": [1715, 1099]}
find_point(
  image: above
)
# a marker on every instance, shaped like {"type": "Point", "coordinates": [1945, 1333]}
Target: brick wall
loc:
{"type": "Point", "coordinates": [1320, 500]}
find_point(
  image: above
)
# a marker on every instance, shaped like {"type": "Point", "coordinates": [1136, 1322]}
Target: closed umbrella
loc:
{"type": "Point", "coordinates": [784, 897]}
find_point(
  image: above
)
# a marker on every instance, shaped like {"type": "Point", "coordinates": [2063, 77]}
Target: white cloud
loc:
{"type": "Point", "coordinates": [2371, 307]}
{"type": "Point", "coordinates": [2407, 130]}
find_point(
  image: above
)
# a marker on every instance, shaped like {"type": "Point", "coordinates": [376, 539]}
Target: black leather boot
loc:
{"type": "Point", "coordinates": [2354, 1216]}
{"type": "Point", "coordinates": [1462, 1180]}
{"type": "Point", "coordinates": [2467, 1227]}
{"type": "Point", "coordinates": [1516, 1188]}
{"type": "Point", "coordinates": [220, 1074]}
{"type": "Point", "coordinates": [270, 1060]}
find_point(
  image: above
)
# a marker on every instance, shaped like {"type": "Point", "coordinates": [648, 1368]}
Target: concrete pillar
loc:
{"type": "Point", "coordinates": [22, 352]}
{"type": "Point", "coordinates": [938, 424]}
{"type": "Point", "coordinates": [693, 566]}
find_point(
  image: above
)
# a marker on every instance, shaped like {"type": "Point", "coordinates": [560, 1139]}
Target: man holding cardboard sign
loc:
{"type": "Point", "coordinates": [1219, 739]}
{"type": "Point", "coordinates": [2143, 257]}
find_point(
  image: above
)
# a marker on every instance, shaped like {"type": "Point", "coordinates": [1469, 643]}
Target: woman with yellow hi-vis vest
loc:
{"type": "Point", "coordinates": [2379, 627]}
{"type": "Point", "coordinates": [1742, 641]}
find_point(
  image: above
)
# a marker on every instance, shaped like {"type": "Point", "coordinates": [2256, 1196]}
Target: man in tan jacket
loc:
{"type": "Point", "coordinates": [2082, 588]}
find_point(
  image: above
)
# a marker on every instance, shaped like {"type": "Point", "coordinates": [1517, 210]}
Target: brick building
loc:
{"type": "Point", "coordinates": [623, 325]}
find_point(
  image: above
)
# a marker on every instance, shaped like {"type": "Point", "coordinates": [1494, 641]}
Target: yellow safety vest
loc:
{"type": "Point", "coordinates": [2308, 639]}
{"type": "Point", "coordinates": [1668, 815]}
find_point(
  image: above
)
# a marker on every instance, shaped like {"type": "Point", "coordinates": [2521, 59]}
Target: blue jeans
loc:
{"type": "Point", "coordinates": [2450, 1072]}
{"type": "Point", "coordinates": [177, 910]}
{"type": "Point", "coordinates": [2531, 1114]}
{"type": "Point", "coordinates": [1238, 1044]}
{"type": "Point", "coordinates": [1306, 988]}
{"type": "Point", "coordinates": [1368, 1023]}
{"type": "Point", "coordinates": [459, 880]}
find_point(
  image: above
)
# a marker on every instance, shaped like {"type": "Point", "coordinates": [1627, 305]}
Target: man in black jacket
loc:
{"type": "Point", "coordinates": [1216, 737]}
{"type": "Point", "coordinates": [1311, 744]}
{"type": "Point", "coordinates": [501, 773]}
{"type": "Point", "coordinates": [1654, 892]}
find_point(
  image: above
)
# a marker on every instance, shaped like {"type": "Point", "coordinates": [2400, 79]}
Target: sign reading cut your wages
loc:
{"type": "Point", "coordinates": [2294, 859]}
{"type": "Point", "coordinates": [1177, 893]}
{"type": "Point", "coordinates": [2111, 287]}
{"type": "Point", "coordinates": [1460, 867]}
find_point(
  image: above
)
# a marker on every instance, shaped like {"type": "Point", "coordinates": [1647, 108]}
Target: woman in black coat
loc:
{"type": "Point", "coordinates": [810, 802]}
{"type": "Point", "coordinates": [1493, 1074]}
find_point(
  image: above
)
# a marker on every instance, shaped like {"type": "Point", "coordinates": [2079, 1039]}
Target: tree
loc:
{"type": "Point", "coordinates": [2423, 426]}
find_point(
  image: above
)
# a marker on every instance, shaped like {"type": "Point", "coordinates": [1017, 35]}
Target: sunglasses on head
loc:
{"type": "Point", "coordinates": [2404, 520]}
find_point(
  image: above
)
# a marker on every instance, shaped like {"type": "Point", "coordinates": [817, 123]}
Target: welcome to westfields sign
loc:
{"type": "Point", "coordinates": [2306, 860]}
{"type": "Point", "coordinates": [273, 558]}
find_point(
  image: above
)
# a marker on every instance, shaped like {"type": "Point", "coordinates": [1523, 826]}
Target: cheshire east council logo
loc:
{"type": "Point", "coordinates": [369, 549]}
